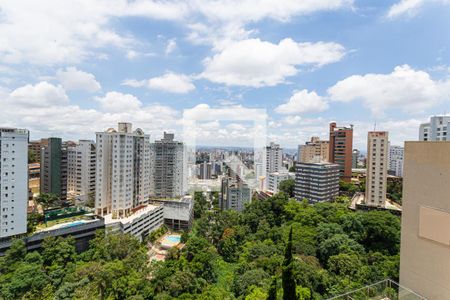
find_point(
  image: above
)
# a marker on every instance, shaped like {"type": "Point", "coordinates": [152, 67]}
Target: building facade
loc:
{"type": "Point", "coordinates": [122, 171]}
{"type": "Point", "coordinates": [275, 178]}
{"type": "Point", "coordinates": [142, 220]}
{"type": "Point", "coordinates": [435, 130]}
{"type": "Point", "coordinates": [178, 212]}
{"type": "Point", "coordinates": [274, 158]}
{"type": "Point", "coordinates": [341, 149]}
{"type": "Point", "coordinates": [316, 182]}
{"type": "Point", "coordinates": [81, 160]}
{"type": "Point", "coordinates": [396, 160]}
{"type": "Point", "coordinates": [234, 194]}
{"type": "Point", "coordinates": [54, 168]}
{"type": "Point", "coordinates": [377, 165]}
{"type": "Point", "coordinates": [14, 181]}
{"type": "Point", "coordinates": [168, 168]}
{"type": "Point", "coordinates": [425, 236]}
{"type": "Point", "coordinates": [315, 150]}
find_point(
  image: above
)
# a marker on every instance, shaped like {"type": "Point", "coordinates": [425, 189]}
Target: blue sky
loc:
{"type": "Point", "coordinates": [70, 69]}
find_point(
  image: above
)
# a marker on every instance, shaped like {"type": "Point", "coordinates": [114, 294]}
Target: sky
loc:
{"type": "Point", "coordinates": [71, 68]}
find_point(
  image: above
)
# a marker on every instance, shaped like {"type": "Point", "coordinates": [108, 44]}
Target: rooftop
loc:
{"type": "Point", "coordinates": [139, 211]}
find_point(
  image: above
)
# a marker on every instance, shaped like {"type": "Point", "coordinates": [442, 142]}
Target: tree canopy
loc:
{"type": "Point", "coordinates": [321, 250]}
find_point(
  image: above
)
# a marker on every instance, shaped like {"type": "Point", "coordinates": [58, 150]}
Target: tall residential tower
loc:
{"type": "Point", "coordinates": [122, 170]}
{"type": "Point", "coordinates": [81, 170]}
{"type": "Point", "coordinates": [54, 168]}
{"type": "Point", "coordinates": [168, 178]}
{"type": "Point", "coordinates": [341, 148]}
{"type": "Point", "coordinates": [377, 166]}
{"type": "Point", "coordinates": [14, 181]}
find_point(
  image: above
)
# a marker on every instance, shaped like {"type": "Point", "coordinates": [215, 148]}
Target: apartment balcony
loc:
{"type": "Point", "coordinates": [382, 290]}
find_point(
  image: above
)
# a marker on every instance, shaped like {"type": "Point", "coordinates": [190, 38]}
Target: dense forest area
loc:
{"type": "Point", "coordinates": [228, 255]}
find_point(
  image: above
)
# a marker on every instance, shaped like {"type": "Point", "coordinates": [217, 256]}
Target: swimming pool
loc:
{"type": "Point", "coordinates": [173, 238]}
{"type": "Point", "coordinates": [73, 224]}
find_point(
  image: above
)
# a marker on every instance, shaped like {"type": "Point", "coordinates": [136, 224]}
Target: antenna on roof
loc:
{"type": "Point", "coordinates": [375, 126]}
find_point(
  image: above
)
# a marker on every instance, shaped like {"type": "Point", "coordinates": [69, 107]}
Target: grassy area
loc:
{"type": "Point", "coordinates": [59, 221]}
{"type": "Point", "coordinates": [225, 274]}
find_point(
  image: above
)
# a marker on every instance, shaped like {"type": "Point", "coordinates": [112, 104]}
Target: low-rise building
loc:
{"type": "Point", "coordinates": [142, 220]}
{"type": "Point", "coordinates": [316, 182]}
{"type": "Point", "coordinates": [275, 178]}
{"type": "Point", "coordinates": [178, 212]}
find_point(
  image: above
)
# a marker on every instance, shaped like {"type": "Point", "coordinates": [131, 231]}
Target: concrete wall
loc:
{"type": "Point", "coordinates": [425, 243]}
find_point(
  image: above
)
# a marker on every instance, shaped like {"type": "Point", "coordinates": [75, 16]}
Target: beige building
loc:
{"type": "Point", "coordinates": [425, 244]}
{"type": "Point", "coordinates": [377, 165]}
{"type": "Point", "coordinates": [315, 151]}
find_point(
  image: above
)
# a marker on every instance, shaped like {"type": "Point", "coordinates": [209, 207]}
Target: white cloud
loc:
{"type": "Point", "coordinates": [172, 83]}
{"type": "Point", "coordinates": [171, 46]}
{"type": "Point", "coordinates": [405, 88]}
{"type": "Point", "coordinates": [303, 102]}
{"type": "Point", "coordinates": [39, 95]}
{"type": "Point", "coordinates": [169, 82]}
{"type": "Point", "coordinates": [117, 102]}
{"type": "Point", "coordinates": [52, 32]}
{"type": "Point", "coordinates": [46, 110]}
{"type": "Point", "coordinates": [73, 79]}
{"type": "Point", "coordinates": [292, 120]}
{"type": "Point", "coordinates": [134, 83]}
{"type": "Point", "coordinates": [409, 7]}
{"type": "Point", "coordinates": [257, 63]}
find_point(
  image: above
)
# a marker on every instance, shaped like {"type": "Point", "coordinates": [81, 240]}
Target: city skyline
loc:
{"type": "Point", "coordinates": [145, 63]}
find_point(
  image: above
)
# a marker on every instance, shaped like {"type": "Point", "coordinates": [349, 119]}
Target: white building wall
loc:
{"type": "Point", "coordinates": [396, 160]}
{"type": "Point", "coordinates": [123, 171]}
{"type": "Point", "coordinates": [81, 161]}
{"type": "Point", "coordinates": [435, 130]}
{"type": "Point", "coordinates": [14, 181]}
{"type": "Point", "coordinates": [377, 165]}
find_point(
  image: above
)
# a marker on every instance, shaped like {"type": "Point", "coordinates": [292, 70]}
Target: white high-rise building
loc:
{"type": "Point", "coordinates": [396, 160]}
{"type": "Point", "coordinates": [122, 170]}
{"type": "Point", "coordinates": [435, 130]}
{"type": "Point", "coordinates": [274, 158]}
{"type": "Point", "coordinates": [377, 165]}
{"type": "Point", "coordinates": [81, 170]}
{"type": "Point", "coordinates": [14, 181]}
{"type": "Point", "coordinates": [168, 168]}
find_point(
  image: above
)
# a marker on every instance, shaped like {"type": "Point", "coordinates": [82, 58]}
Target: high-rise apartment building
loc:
{"type": "Point", "coordinates": [341, 149]}
{"type": "Point", "coordinates": [81, 170]}
{"type": "Point", "coordinates": [435, 130]}
{"type": "Point", "coordinates": [205, 170]}
{"type": "Point", "coordinates": [14, 181]}
{"type": "Point", "coordinates": [396, 160]}
{"type": "Point", "coordinates": [315, 150]}
{"type": "Point", "coordinates": [168, 168]}
{"type": "Point", "coordinates": [234, 194]}
{"type": "Point", "coordinates": [274, 158]}
{"type": "Point", "coordinates": [54, 168]}
{"type": "Point", "coordinates": [425, 236]}
{"type": "Point", "coordinates": [122, 170]}
{"type": "Point", "coordinates": [316, 182]}
{"type": "Point", "coordinates": [377, 165]}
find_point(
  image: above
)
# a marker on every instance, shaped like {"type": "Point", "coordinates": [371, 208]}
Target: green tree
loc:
{"type": "Point", "coordinates": [273, 289]}
{"type": "Point", "coordinates": [287, 277]}
{"type": "Point", "coordinates": [287, 186]}
{"type": "Point", "coordinates": [32, 156]}
{"type": "Point", "coordinates": [47, 200]}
